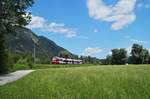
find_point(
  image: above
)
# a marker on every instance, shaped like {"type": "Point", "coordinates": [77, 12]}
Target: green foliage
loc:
{"type": "Point", "coordinates": [12, 13]}
{"type": "Point", "coordinates": [3, 57]}
{"type": "Point", "coordinates": [20, 67]}
{"type": "Point", "coordinates": [145, 56]}
{"type": "Point", "coordinates": [13, 58]}
{"type": "Point", "coordinates": [119, 56]}
{"type": "Point", "coordinates": [97, 82]}
{"type": "Point", "coordinates": [136, 53]}
{"type": "Point", "coordinates": [149, 60]}
{"type": "Point", "coordinates": [30, 61]}
{"type": "Point", "coordinates": [139, 55]}
{"type": "Point", "coordinates": [64, 54]}
{"type": "Point", "coordinates": [108, 60]}
{"type": "Point", "coordinates": [89, 60]}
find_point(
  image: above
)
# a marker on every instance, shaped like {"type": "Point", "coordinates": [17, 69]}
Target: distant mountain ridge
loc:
{"type": "Point", "coordinates": [24, 40]}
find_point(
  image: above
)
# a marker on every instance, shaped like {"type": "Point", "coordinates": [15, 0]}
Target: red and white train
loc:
{"type": "Point", "coordinates": [60, 60]}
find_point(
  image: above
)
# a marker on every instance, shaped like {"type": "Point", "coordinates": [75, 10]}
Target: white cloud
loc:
{"type": "Point", "coordinates": [42, 24]}
{"type": "Point", "coordinates": [134, 40]}
{"type": "Point", "coordinates": [60, 28]}
{"type": "Point", "coordinates": [91, 51]}
{"type": "Point", "coordinates": [137, 41]}
{"type": "Point", "coordinates": [120, 15]}
{"type": "Point", "coordinates": [37, 22]}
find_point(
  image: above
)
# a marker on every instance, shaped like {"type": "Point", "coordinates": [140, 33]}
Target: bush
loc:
{"type": "Point", "coordinates": [20, 67]}
{"type": "Point", "coordinates": [30, 61]}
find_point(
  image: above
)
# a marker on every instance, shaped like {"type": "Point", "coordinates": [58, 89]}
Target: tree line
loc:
{"type": "Point", "coordinates": [138, 55]}
{"type": "Point", "coordinates": [85, 59]}
{"type": "Point", "coordinates": [119, 56]}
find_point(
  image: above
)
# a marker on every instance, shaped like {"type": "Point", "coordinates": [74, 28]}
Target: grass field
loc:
{"type": "Point", "coordinates": [96, 82]}
{"type": "Point", "coordinates": [46, 66]}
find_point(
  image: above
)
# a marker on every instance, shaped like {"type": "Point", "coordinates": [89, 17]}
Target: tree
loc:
{"type": "Point", "coordinates": [89, 59]}
{"type": "Point", "coordinates": [145, 56]}
{"type": "Point", "coordinates": [75, 56]}
{"type": "Point", "coordinates": [30, 61]}
{"type": "Point", "coordinates": [136, 54]}
{"type": "Point", "coordinates": [64, 54]}
{"type": "Point", "coordinates": [149, 60]}
{"type": "Point", "coordinates": [119, 56]}
{"type": "Point", "coordinates": [3, 57]}
{"type": "Point", "coordinates": [95, 60]}
{"type": "Point", "coordinates": [12, 13]}
{"type": "Point", "coordinates": [108, 60]}
{"type": "Point", "coordinates": [129, 61]}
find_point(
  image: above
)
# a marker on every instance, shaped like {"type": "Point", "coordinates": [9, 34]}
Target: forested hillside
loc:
{"type": "Point", "coordinates": [23, 42]}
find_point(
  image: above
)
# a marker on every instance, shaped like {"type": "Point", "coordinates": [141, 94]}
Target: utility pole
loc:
{"type": "Point", "coordinates": [35, 42]}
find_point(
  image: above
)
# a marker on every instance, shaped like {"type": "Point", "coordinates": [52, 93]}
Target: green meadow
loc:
{"type": "Point", "coordinates": [90, 82]}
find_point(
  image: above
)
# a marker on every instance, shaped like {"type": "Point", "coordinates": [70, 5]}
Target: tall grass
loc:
{"type": "Point", "coordinates": [46, 66]}
{"type": "Point", "coordinates": [96, 82]}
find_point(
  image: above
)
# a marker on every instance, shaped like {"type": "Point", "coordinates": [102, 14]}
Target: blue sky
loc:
{"type": "Point", "coordinates": [92, 27]}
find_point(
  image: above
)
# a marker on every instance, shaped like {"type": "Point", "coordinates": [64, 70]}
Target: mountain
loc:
{"type": "Point", "coordinates": [23, 42]}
